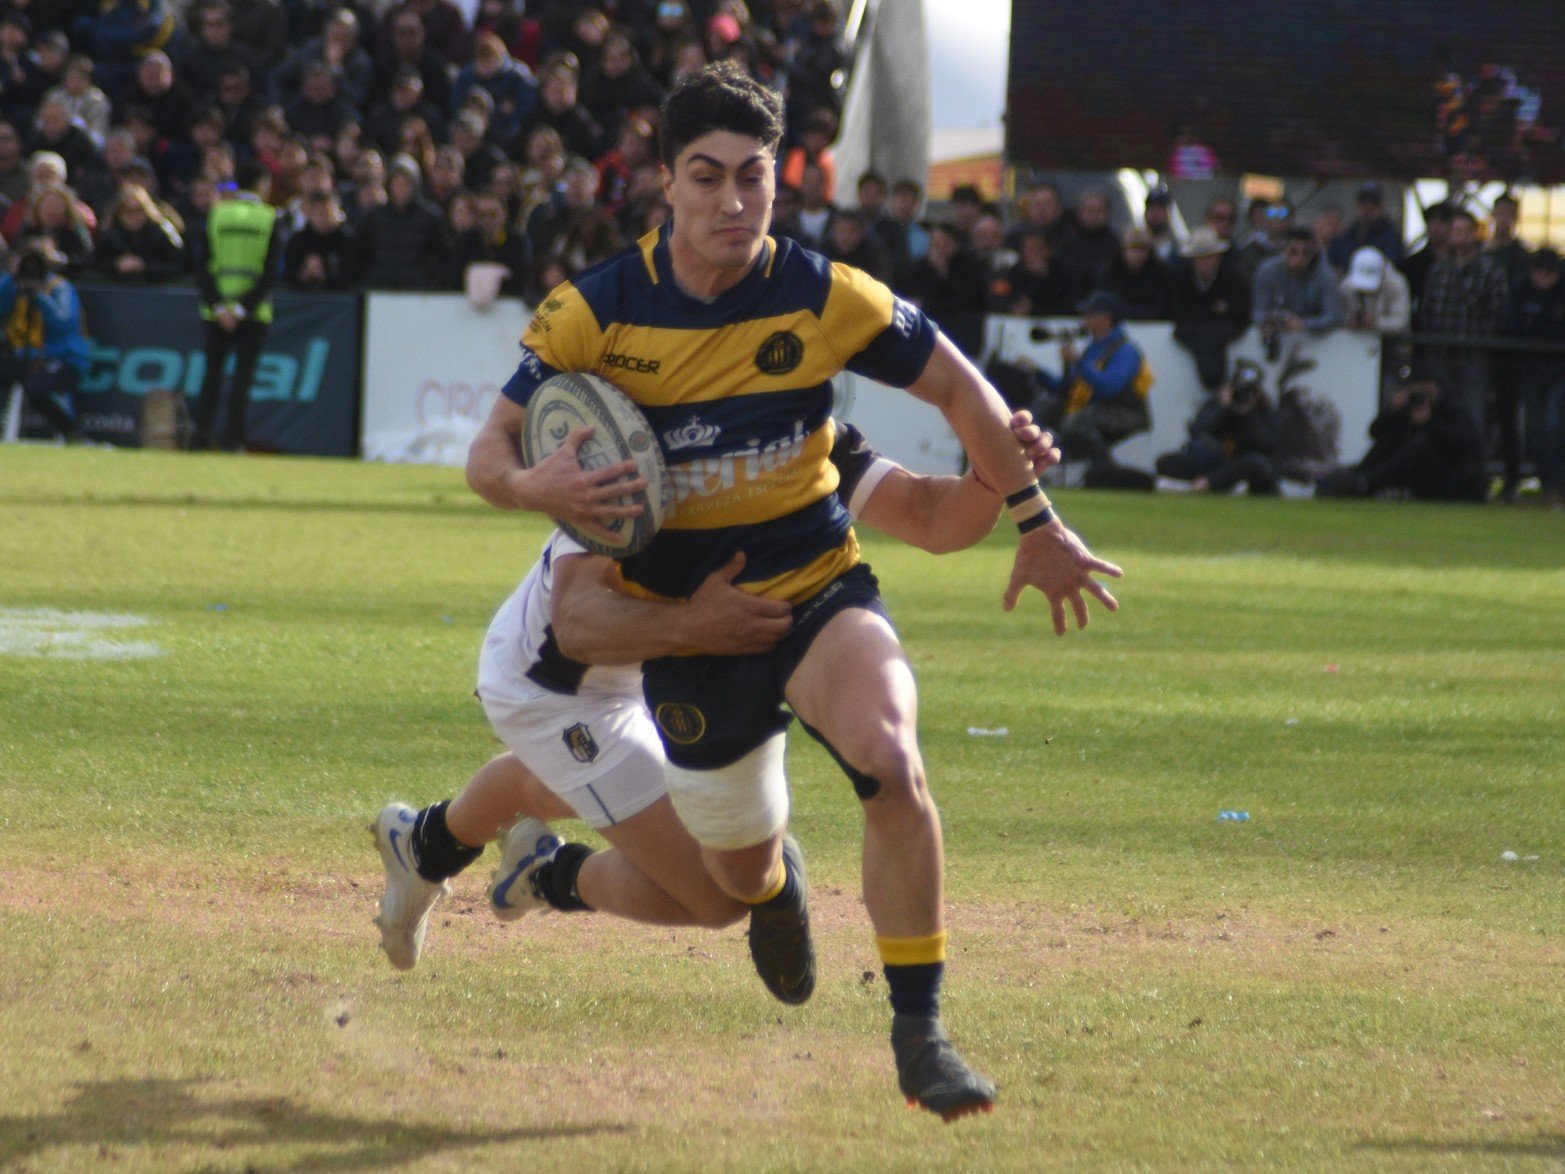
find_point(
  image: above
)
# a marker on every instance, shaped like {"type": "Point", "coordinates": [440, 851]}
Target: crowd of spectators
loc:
{"type": "Point", "coordinates": [1470, 299]}
{"type": "Point", "coordinates": [404, 140]}
{"type": "Point", "coordinates": [411, 146]}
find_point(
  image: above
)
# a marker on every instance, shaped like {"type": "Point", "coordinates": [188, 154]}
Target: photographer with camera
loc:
{"type": "Point", "coordinates": [1105, 388]}
{"type": "Point", "coordinates": [1296, 292]}
{"type": "Point", "coordinates": [1426, 444]}
{"type": "Point", "coordinates": [1231, 439]}
{"type": "Point", "coordinates": [44, 348]}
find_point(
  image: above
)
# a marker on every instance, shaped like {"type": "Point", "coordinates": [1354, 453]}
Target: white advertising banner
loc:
{"type": "Point", "coordinates": [433, 367]}
{"type": "Point", "coordinates": [1346, 373]}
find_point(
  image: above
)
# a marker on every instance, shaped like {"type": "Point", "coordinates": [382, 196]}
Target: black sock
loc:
{"type": "Point", "coordinates": [915, 990]}
{"type": "Point", "coordinates": [437, 853]}
{"type": "Point", "coordinates": [556, 880]}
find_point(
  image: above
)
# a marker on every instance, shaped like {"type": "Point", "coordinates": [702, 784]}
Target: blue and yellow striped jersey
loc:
{"type": "Point", "coordinates": [738, 390]}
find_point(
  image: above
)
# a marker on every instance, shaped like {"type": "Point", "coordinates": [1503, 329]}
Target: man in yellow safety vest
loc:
{"type": "Point", "coordinates": [236, 262]}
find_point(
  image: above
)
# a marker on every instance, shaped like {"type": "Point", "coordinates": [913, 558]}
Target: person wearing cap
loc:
{"type": "Point", "coordinates": [1437, 242]}
{"type": "Point", "coordinates": [1157, 220]}
{"type": "Point", "coordinates": [236, 262]}
{"type": "Point", "coordinates": [43, 347]}
{"type": "Point", "coordinates": [1372, 228]}
{"type": "Point", "coordinates": [1209, 304]}
{"type": "Point", "coordinates": [1377, 299]}
{"type": "Point", "coordinates": [1105, 386]}
{"type": "Point", "coordinates": [1537, 313]}
{"type": "Point", "coordinates": [1137, 277]}
{"type": "Point", "coordinates": [1376, 294]}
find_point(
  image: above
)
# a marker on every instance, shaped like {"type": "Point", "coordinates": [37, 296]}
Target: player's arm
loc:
{"type": "Point", "coordinates": [597, 624]}
{"type": "Point", "coordinates": [944, 514]}
{"type": "Point", "coordinates": [1049, 557]}
{"type": "Point", "coordinates": [557, 485]}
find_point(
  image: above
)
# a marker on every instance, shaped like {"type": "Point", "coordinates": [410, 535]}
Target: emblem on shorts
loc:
{"type": "Point", "coordinates": [579, 741]}
{"type": "Point", "coordinates": [681, 723]}
{"type": "Point", "coordinates": [780, 354]}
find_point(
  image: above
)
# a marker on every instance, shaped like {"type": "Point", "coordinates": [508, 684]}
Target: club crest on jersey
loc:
{"type": "Point", "coordinates": [579, 741]}
{"type": "Point", "coordinates": [544, 312]}
{"type": "Point", "coordinates": [780, 353]}
{"type": "Point", "coordinates": [681, 723]}
{"type": "Point", "coordinates": [691, 435]}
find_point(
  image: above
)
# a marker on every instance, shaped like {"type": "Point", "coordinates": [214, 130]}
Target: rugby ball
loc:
{"type": "Point", "coordinates": [620, 433]}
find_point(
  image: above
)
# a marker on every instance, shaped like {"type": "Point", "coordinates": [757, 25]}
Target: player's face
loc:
{"type": "Point", "coordinates": [721, 192]}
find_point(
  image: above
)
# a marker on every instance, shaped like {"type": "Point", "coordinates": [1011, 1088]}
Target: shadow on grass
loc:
{"type": "Point", "coordinates": [1544, 1145]}
{"type": "Point", "coordinates": [117, 1113]}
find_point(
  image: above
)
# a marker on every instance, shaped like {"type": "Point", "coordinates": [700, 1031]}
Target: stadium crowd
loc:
{"type": "Point", "coordinates": [1473, 297]}
{"type": "Point", "coordinates": [406, 142]}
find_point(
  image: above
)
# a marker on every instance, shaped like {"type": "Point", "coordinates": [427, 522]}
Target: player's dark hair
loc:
{"type": "Point", "coordinates": [719, 97]}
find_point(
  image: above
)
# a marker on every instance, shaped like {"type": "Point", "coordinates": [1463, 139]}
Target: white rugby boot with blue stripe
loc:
{"type": "Point", "coordinates": [527, 847]}
{"type": "Point", "coordinates": [404, 909]}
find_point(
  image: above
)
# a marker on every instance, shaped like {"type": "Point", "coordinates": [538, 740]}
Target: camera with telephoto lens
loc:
{"type": "Point", "coordinates": [1057, 333]}
{"type": "Point", "coordinates": [32, 270]}
{"type": "Point", "coordinates": [1246, 391]}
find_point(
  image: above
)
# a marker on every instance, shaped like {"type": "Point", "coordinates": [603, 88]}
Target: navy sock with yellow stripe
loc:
{"type": "Point", "coordinates": [914, 968]}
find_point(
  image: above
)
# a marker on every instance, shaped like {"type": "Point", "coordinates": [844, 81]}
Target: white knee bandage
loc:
{"type": "Point", "coordinates": [735, 806]}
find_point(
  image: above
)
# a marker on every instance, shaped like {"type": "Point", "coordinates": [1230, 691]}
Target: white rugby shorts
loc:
{"type": "Point", "coordinates": [600, 753]}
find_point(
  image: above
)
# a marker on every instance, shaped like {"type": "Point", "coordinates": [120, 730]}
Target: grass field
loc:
{"type": "Point", "coordinates": [1352, 978]}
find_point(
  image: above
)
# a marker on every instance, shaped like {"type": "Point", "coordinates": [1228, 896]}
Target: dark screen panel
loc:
{"type": "Point", "coordinates": [1396, 88]}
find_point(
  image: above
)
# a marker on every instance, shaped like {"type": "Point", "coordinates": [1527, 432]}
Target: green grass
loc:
{"type": "Point", "coordinates": [1353, 978]}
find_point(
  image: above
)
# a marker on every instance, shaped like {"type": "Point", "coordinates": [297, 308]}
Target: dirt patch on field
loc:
{"type": "Point", "coordinates": [1012, 942]}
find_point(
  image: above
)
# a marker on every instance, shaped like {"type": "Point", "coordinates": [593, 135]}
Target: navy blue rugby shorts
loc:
{"type": "Point", "coordinates": [713, 710]}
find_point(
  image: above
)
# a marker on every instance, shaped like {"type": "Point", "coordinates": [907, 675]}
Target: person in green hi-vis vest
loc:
{"type": "Point", "coordinates": [236, 261]}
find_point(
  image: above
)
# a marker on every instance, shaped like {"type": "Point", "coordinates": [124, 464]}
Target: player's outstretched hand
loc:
{"type": "Point", "coordinates": [725, 621]}
{"type": "Point", "coordinates": [586, 498]}
{"type": "Point", "coordinates": [1058, 563]}
{"type": "Point", "coordinates": [1035, 442]}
